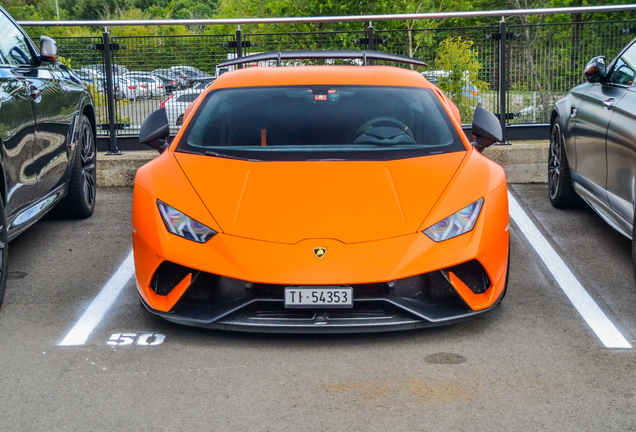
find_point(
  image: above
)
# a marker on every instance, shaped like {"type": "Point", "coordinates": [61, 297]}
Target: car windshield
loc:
{"type": "Point", "coordinates": [321, 122]}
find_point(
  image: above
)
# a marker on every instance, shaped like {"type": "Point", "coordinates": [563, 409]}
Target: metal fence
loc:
{"type": "Point", "coordinates": [545, 61]}
{"type": "Point", "coordinates": [542, 63]}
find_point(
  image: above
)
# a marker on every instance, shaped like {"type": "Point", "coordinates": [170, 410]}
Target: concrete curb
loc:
{"type": "Point", "coordinates": [524, 162]}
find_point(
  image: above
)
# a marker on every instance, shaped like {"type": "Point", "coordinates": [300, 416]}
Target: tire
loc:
{"type": "Point", "coordinates": [79, 203]}
{"type": "Point", "coordinates": [179, 121]}
{"type": "Point", "coordinates": [560, 189]}
{"type": "Point", "coordinates": [4, 252]}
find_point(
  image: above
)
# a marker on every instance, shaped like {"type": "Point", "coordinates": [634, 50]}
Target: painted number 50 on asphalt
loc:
{"type": "Point", "coordinates": [143, 339]}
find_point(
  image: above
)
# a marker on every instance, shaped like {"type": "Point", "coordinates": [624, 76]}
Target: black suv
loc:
{"type": "Point", "coordinates": [47, 137]}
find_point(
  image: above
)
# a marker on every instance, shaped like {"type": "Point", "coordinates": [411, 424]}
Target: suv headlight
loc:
{"type": "Point", "coordinates": [456, 224]}
{"type": "Point", "coordinates": [184, 226]}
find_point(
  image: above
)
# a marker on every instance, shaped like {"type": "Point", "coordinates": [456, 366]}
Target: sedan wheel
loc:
{"type": "Point", "coordinates": [554, 164]}
{"type": "Point", "coordinates": [562, 194]}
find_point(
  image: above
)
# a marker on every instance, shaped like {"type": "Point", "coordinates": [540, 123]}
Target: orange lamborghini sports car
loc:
{"type": "Point", "coordinates": [328, 198]}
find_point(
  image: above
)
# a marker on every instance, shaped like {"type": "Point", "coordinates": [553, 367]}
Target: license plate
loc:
{"type": "Point", "coordinates": [324, 297]}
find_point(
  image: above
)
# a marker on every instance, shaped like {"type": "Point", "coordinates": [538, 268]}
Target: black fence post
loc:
{"type": "Point", "coordinates": [110, 95]}
{"type": "Point", "coordinates": [239, 45]}
{"type": "Point", "coordinates": [502, 78]}
{"type": "Point", "coordinates": [370, 37]}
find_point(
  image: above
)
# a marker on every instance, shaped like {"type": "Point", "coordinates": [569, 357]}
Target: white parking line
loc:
{"type": "Point", "coordinates": [100, 305]}
{"type": "Point", "coordinates": [582, 301]}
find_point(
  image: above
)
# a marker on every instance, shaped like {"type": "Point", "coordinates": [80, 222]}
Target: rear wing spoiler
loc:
{"type": "Point", "coordinates": [317, 55]}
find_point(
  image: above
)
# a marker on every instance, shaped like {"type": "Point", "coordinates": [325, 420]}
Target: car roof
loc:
{"type": "Point", "coordinates": [321, 75]}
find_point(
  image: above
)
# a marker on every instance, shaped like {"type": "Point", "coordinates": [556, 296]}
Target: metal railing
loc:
{"type": "Point", "coordinates": [542, 62]}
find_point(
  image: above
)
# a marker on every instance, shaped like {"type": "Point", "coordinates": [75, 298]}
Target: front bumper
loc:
{"type": "Point", "coordinates": [206, 285]}
{"type": "Point", "coordinates": [217, 302]}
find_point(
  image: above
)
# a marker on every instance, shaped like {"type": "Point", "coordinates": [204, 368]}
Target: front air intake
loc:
{"type": "Point", "coordinates": [168, 276]}
{"type": "Point", "coordinates": [473, 274]}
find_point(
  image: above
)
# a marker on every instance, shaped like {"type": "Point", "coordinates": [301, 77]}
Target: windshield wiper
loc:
{"type": "Point", "coordinates": [226, 156]}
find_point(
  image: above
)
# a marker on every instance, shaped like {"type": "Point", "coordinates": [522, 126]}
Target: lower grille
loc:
{"type": "Point", "coordinates": [213, 292]}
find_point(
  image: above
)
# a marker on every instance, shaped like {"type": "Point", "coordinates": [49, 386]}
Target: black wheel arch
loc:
{"type": "Point", "coordinates": [563, 110]}
{"type": "Point", "coordinates": [89, 111]}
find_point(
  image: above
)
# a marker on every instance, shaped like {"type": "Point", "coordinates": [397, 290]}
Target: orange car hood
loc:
{"type": "Point", "coordinates": [286, 202]}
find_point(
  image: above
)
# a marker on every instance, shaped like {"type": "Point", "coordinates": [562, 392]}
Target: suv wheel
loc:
{"type": "Point", "coordinates": [80, 200]}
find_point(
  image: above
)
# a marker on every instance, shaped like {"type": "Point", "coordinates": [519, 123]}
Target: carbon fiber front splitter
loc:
{"type": "Point", "coordinates": [385, 313]}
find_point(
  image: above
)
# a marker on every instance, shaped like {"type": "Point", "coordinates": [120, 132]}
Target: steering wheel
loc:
{"type": "Point", "coordinates": [383, 128]}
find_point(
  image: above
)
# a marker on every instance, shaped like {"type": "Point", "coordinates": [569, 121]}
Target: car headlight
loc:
{"type": "Point", "coordinates": [456, 224]}
{"type": "Point", "coordinates": [184, 226]}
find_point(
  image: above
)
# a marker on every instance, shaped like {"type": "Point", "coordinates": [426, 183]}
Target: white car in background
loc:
{"type": "Point", "coordinates": [87, 76]}
{"type": "Point", "coordinates": [177, 103]}
{"type": "Point", "coordinates": [126, 88]}
{"type": "Point", "coordinates": [148, 85]}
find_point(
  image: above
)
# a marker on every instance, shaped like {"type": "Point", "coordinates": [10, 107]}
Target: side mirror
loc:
{"type": "Point", "coordinates": [595, 70]}
{"type": "Point", "coordinates": [486, 129]}
{"type": "Point", "coordinates": [155, 130]}
{"type": "Point", "coordinates": [48, 49]}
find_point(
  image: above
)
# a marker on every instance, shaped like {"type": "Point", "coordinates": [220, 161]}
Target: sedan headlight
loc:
{"type": "Point", "coordinates": [456, 224]}
{"type": "Point", "coordinates": [184, 226]}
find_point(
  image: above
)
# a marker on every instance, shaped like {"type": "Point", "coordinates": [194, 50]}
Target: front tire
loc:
{"type": "Point", "coordinates": [79, 203]}
{"type": "Point", "coordinates": [561, 191]}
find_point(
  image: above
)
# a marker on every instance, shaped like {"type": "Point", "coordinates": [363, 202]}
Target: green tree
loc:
{"type": "Point", "coordinates": [457, 58]}
{"type": "Point", "coordinates": [96, 9]}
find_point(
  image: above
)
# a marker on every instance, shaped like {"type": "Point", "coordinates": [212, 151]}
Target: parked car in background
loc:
{"type": "Point", "coordinates": [530, 114]}
{"type": "Point", "coordinates": [148, 85]}
{"type": "Point", "coordinates": [47, 137]}
{"type": "Point", "coordinates": [593, 143]}
{"type": "Point", "coordinates": [171, 80]}
{"type": "Point", "coordinates": [177, 103]}
{"type": "Point", "coordinates": [117, 92]}
{"type": "Point", "coordinates": [87, 76]}
{"type": "Point", "coordinates": [101, 69]}
{"type": "Point", "coordinates": [124, 88]}
{"type": "Point", "coordinates": [191, 74]}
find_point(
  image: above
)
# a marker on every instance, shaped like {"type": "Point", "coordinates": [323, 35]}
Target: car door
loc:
{"type": "Point", "coordinates": [621, 137]}
{"type": "Point", "coordinates": [17, 120]}
{"type": "Point", "coordinates": [590, 131]}
{"type": "Point", "coordinates": [55, 113]}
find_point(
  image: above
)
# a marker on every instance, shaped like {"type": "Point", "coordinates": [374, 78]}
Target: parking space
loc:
{"type": "Point", "coordinates": [533, 363]}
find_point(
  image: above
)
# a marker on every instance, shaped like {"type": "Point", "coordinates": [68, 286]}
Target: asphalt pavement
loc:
{"type": "Point", "coordinates": [533, 363]}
